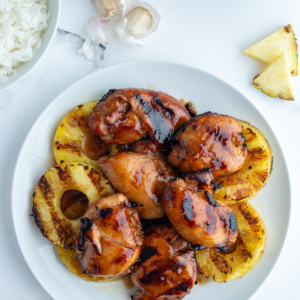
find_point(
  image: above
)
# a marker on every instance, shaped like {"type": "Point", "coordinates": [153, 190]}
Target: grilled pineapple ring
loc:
{"type": "Point", "coordinates": [250, 247]}
{"type": "Point", "coordinates": [47, 212]}
{"type": "Point", "coordinates": [70, 133]}
{"type": "Point", "coordinates": [244, 184]}
{"type": "Point", "coordinates": [68, 257]}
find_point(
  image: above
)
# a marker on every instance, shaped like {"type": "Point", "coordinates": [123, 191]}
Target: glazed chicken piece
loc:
{"type": "Point", "coordinates": [209, 141]}
{"type": "Point", "coordinates": [162, 271]}
{"type": "Point", "coordinates": [126, 115]}
{"type": "Point", "coordinates": [198, 217]}
{"type": "Point", "coordinates": [146, 147]}
{"type": "Point", "coordinates": [110, 237]}
{"type": "Point", "coordinates": [139, 177]}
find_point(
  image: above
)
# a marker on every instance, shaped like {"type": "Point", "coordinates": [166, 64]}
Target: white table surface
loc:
{"type": "Point", "coordinates": [209, 35]}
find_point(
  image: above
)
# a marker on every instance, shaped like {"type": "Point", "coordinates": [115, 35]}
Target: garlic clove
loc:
{"type": "Point", "coordinates": [107, 8]}
{"type": "Point", "coordinates": [139, 22]}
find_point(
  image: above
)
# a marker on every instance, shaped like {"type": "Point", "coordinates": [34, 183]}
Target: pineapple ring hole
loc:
{"type": "Point", "coordinates": [74, 204]}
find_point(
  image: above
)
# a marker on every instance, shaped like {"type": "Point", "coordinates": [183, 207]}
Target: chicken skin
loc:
{"type": "Point", "coordinates": [126, 115]}
{"type": "Point", "coordinates": [209, 141]}
{"type": "Point", "coordinates": [198, 217]}
{"type": "Point", "coordinates": [139, 177]}
{"type": "Point", "coordinates": [162, 271]}
{"type": "Point", "coordinates": [110, 237]}
{"type": "Point", "coordinates": [146, 147]}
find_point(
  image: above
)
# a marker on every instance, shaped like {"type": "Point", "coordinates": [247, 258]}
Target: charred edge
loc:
{"type": "Point", "coordinates": [216, 186]}
{"type": "Point", "coordinates": [134, 204]}
{"type": "Point", "coordinates": [187, 207]}
{"type": "Point", "coordinates": [211, 200]}
{"type": "Point", "coordinates": [45, 187]}
{"type": "Point", "coordinates": [183, 286]}
{"type": "Point", "coordinates": [168, 110]}
{"type": "Point", "coordinates": [222, 249]}
{"type": "Point", "coordinates": [198, 247]}
{"type": "Point", "coordinates": [233, 222]}
{"type": "Point", "coordinates": [110, 92]}
{"type": "Point", "coordinates": [191, 109]}
{"type": "Point", "coordinates": [37, 220]}
{"type": "Point", "coordinates": [147, 253]}
{"type": "Point", "coordinates": [86, 225]}
{"type": "Point", "coordinates": [103, 213]}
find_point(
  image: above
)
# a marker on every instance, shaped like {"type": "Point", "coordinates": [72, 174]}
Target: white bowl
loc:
{"type": "Point", "coordinates": [47, 37]}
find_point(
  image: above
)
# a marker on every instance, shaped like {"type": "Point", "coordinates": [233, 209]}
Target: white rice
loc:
{"type": "Point", "coordinates": [21, 26]}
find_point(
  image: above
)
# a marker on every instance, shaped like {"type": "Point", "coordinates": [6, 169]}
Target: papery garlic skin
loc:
{"type": "Point", "coordinates": [139, 22]}
{"type": "Point", "coordinates": [96, 32]}
{"type": "Point", "coordinates": [107, 8]}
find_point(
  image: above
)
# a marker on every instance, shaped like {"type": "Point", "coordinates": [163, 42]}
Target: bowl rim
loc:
{"type": "Point", "coordinates": [54, 19]}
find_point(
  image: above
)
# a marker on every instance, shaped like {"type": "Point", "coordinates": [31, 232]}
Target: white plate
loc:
{"type": "Point", "coordinates": [209, 94]}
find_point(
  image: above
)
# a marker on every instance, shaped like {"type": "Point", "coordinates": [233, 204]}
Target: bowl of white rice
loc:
{"type": "Point", "coordinates": [27, 28]}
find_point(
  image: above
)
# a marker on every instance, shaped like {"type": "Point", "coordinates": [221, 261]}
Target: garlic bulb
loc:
{"type": "Point", "coordinates": [107, 8]}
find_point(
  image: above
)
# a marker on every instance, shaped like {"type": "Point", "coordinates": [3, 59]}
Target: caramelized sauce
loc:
{"type": "Point", "coordinates": [74, 204]}
{"type": "Point", "coordinates": [93, 146]}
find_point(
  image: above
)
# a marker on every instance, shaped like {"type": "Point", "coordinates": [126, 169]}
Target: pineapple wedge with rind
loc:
{"type": "Point", "coordinates": [244, 184]}
{"type": "Point", "coordinates": [47, 210]}
{"type": "Point", "coordinates": [68, 257]}
{"type": "Point", "coordinates": [275, 80]}
{"type": "Point", "coordinates": [249, 249]}
{"type": "Point", "coordinates": [268, 49]}
{"type": "Point", "coordinates": [70, 133]}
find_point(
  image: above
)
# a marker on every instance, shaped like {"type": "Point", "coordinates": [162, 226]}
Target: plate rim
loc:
{"type": "Point", "coordinates": [174, 64]}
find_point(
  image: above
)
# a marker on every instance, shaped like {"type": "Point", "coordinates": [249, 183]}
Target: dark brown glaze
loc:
{"type": "Point", "coordinates": [146, 147]}
{"type": "Point", "coordinates": [165, 274]}
{"type": "Point", "coordinates": [209, 141]}
{"type": "Point", "coordinates": [74, 204]}
{"type": "Point", "coordinates": [201, 181]}
{"type": "Point", "coordinates": [93, 146]}
{"type": "Point", "coordinates": [139, 177]}
{"type": "Point", "coordinates": [127, 115]}
{"type": "Point", "coordinates": [110, 237]}
{"type": "Point", "coordinates": [198, 217]}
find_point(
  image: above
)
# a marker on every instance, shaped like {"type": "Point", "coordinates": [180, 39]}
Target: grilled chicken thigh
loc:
{"type": "Point", "coordinates": [165, 270]}
{"type": "Point", "coordinates": [127, 115]}
{"type": "Point", "coordinates": [198, 217]}
{"type": "Point", "coordinates": [139, 177]}
{"type": "Point", "coordinates": [209, 141]}
{"type": "Point", "coordinates": [110, 237]}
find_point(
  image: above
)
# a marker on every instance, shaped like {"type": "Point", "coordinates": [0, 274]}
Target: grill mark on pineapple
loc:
{"type": "Point", "coordinates": [37, 219]}
{"type": "Point", "coordinates": [69, 146]}
{"type": "Point", "coordinates": [96, 178]}
{"type": "Point", "coordinates": [77, 121]}
{"type": "Point", "coordinates": [220, 263]}
{"type": "Point", "coordinates": [63, 174]}
{"type": "Point", "coordinates": [45, 188]}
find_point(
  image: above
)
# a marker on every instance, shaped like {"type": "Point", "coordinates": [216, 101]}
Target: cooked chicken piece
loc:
{"type": "Point", "coordinates": [146, 147]}
{"type": "Point", "coordinates": [198, 217]}
{"type": "Point", "coordinates": [139, 177]}
{"type": "Point", "coordinates": [209, 141]}
{"type": "Point", "coordinates": [110, 237]}
{"type": "Point", "coordinates": [163, 273]}
{"type": "Point", "coordinates": [126, 115]}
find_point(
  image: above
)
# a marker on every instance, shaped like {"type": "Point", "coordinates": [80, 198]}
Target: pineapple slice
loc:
{"type": "Point", "coordinates": [268, 49]}
{"type": "Point", "coordinates": [244, 184]}
{"type": "Point", "coordinates": [70, 133]}
{"type": "Point", "coordinates": [249, 249]}
{"type": "Point", "coordinates": [68, 257]}
{"type": "Point", "coordinates": [274, 80]}
{"type": "Point", "coordinates": [47, 204]}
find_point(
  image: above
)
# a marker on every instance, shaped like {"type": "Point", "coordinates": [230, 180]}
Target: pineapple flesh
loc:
{"type": "Point", "coordinates": [249, 249]}
{"type": "Point", "coordinates": [70, 133]}
{"type": "Point", "coordinates": [244, 184]}
{"type": "Point", "coordinates": [68, 257]}
{"type": "Point", "coordinates": [268, 49]}
{"type": "Point", "coordinates": [274, 80]}
{"type": "Point", "coordinates": [47, 206]}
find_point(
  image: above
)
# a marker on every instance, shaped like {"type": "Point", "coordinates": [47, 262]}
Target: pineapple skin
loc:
{"type": "Point", "coordinates": [70, 133]}
{"type": "Point", "coordinates": [268, 49]}
{"type": "Point", "coordinates": [246, 183]}
{"type": "Point", "coordinates": [249, 249]}
{"type": "Point", "coordinates": [46, 208]}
